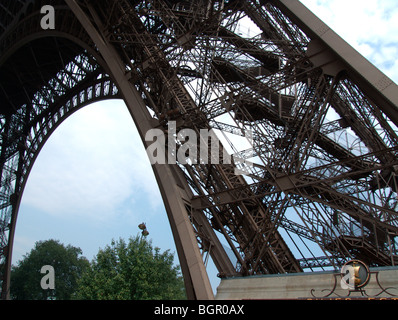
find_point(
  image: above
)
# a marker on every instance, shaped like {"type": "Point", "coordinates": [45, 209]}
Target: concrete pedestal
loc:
{"type": "Point", "coordinates": [299, 285]}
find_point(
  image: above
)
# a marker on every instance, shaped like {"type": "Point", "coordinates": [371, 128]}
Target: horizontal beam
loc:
{"type": "Point", "coordinates": [377, 86]}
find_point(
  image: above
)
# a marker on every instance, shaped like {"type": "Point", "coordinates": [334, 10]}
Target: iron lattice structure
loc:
{"type": "Point", "coordinates": [323, 185]}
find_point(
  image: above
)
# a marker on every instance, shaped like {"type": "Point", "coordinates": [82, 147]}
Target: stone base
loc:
{"type": "Point", "coordinates": [300, 285]}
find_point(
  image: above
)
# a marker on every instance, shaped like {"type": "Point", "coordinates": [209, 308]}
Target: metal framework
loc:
{"type": "Point", "coordinates": [321, 185]}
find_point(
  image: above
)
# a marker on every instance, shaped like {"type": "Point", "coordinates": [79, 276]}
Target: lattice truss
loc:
{"type": "Point", "coordinates": [320, 163]}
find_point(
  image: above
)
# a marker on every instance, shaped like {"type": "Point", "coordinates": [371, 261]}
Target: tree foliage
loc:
{"type": "Point", "coordinates": [68, 266]}
{"type": "Point", "coordinates": [132, 270]}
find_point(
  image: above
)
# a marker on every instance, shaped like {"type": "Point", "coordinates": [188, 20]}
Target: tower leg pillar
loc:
{"type": "Point", "coordinates": [195, 276]}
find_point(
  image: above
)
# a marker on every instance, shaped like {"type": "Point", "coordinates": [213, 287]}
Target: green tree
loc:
{"type": "Point", "coordinates": [131, 271]}
{"type": "Point", "coordinates": [68, 267]}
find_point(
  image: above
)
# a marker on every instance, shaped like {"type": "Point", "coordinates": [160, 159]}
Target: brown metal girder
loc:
{"type": "Point", "coordinates": [199, 220]}
{"type": "Point", "coordinates": [346, 203]}
{"type": "Point", "coordinates": [25, 164]}
{"type": "Point", "coordinates": [43, 121]}
{"type": "Point", "coordinates": [212, 210]}
{"type": "Point", "coordinates": [366, 133]}
{"type": "Point", "coordinates": [267, 241]}
{"type": "Point", "coordinates": [288, 186]}
{"type": "Point", "coordinates": [195, 276]}
{"type": "Point", "coordinates": [269, 30]}
{"type": "Point", "coordinates": [289, 183]}
{"type": "Point", "coordinates": [249, 224]}
{"type": "Point", "coordinates": [225, 174]}
{"type": "Point", "coordinates": [337, 65]}
{"type": "Point", "coordinates": [319, 55]}
{"type": "Point", "coordinates": [364, 250]}
{"type": "Point", "coordinates": [284, 184]}
{"type": "Point", "coordinates": [269, 60]}
{"type": "Point", "coordinates": [273, 233]}
{"type": "Point", "coordinates": [321, 140]}
{"type": "Point", "coordinates": [241, 193]}
{"type": "Point", "coordinates": [217, 252]}
{"type": "Point", "coordinates": [377, 86]}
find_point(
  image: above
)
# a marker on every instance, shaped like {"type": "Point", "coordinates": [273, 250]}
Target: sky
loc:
{"type": "Point", "coordinates": [92, 181]}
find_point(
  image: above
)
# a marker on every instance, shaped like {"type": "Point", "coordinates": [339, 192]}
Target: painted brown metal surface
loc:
{"type": "Point", "coordinates": [320, 187]}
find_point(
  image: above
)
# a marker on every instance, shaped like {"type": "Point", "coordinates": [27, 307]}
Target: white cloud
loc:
{"type": "Point", "coordinates": [370, 26]}
{"type": "Point", "coordinates": [93, 164]}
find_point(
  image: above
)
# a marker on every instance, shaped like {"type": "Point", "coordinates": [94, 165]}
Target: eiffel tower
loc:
{"type": "Point", "coordinates": [315, 185]}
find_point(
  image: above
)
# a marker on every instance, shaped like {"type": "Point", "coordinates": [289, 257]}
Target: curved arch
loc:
{"type": "Point", "coordinates": [100, 90]}
{"type": "Point", "coordinates": [28, 29]}
{"type": "Point", "coordinates": [42, 125]}
{"type": "Point", "coordinates": [145, 47]}
{"type": "Point", "coordinates": [82, 81]}
{"type": "Point", "coordinates": [46, 111]}
{"type": "Point", "coordinates": [176, 193]}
